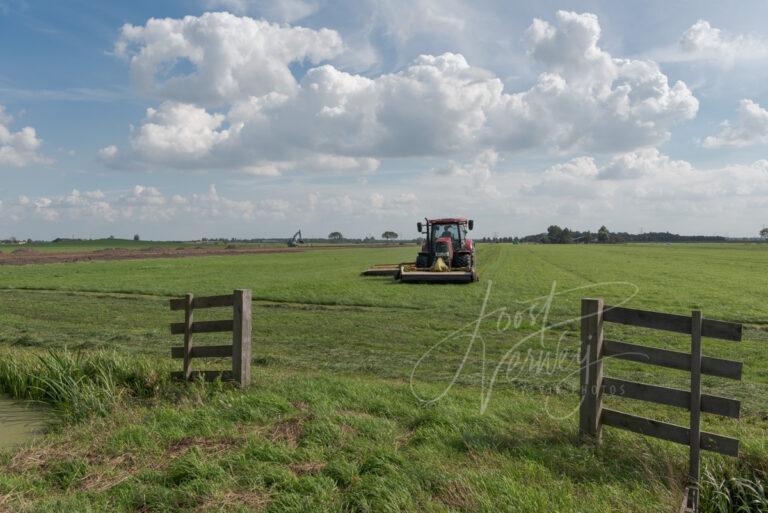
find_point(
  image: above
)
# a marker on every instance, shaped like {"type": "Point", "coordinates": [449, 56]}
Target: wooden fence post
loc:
{"type": "Point", "coordinates": [188, 336]}
{"type": "Point", "coordinates": [591, 367]}
{"type": "Point", "coordinates": [695, 428]}
{"type": "Point", "coordinates": [592, 416]}
{"type": "Point", "coordinates": [241, 337]}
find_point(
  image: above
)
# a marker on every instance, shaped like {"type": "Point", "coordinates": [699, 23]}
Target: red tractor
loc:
{"type": "Point", "coordinates": [447, 255]}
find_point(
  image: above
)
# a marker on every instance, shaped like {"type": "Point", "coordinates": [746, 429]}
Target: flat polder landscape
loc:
{"type": "Point", "coordinates": [369, 394]}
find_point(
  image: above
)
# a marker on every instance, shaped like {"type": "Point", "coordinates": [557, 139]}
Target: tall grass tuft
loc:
{"type": "Point", "coordinates": [78, 384]}
{"type": "Point", "coordinates": [724, 490]}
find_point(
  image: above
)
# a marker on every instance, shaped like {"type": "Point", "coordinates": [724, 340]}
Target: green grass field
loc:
{"type": "Point", "coordinates": [336, 419]}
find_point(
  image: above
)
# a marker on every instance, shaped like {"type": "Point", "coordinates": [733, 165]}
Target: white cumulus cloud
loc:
{"type": "Point", "coordinates": [479, 171]}
{"type": "Point", "coordinates": [20, 148]}
{"type": "Point", "coordinates": [240, 106]}
{"type": "Point", "coordinates": [703, 41]}
{"type": "Point", "coordinates": [219, 57]}
{"type": "Point", "coordinates": [74, 206]}
{"type": "Point", "coordinates": [585, 98]}
{"type": "Point", "coordinates": [284, 10]}
{"type": "Point", "coordinates": [177, 132]}
{"type": "Point", "coordinates": [650, 175]}
{"type": "Point", "coordinates": [108, 153]}
{"type": "Point", "coordinates": [355, 204]}
{"type": "Point", "coordinates": [643, 163]}
{"type": "Point", "coordinates": [142, 203]}
{"type": "Point", "coordinates": [751, 127]}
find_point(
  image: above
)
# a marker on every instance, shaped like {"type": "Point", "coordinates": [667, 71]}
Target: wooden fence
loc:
{"type": "Point", "coordinates": [595, 349]}
{"type": "Point", "coordinates": [239, 325]}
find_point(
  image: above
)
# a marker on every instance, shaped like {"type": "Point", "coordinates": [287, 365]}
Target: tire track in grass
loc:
{"type": "Point", "coordinates": [491, 259]}
{"type": "Point", "coordinates": [565, 269]}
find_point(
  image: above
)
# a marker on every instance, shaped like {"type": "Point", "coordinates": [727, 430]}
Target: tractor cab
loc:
{"type": "Point", "coordinates": [446, 244]}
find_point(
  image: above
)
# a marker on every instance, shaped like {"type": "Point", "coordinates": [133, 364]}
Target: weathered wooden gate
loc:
{"type": "Point", "coordinates": [595, 349]}
{"type": "Point", "coordinates": [239, 325]}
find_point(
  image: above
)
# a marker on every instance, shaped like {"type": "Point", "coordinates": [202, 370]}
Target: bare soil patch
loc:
{"type": "Point", "coordinates": [27, 256]}
{"type": "Point", "coordinates": [39, 257]}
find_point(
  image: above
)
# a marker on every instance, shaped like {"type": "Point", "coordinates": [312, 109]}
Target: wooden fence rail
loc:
{"type": "Point", "coordinates": [594, 385]}
{"type": "Point", "coordinates": [239, 325]}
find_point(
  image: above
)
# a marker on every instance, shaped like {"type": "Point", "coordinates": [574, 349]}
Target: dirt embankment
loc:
{"type": "Point", "coordinates": [29, 256]}
{"type": "Point", "coordinates": [25, 256]}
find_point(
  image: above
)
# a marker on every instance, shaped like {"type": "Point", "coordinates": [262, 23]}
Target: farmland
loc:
{"type": "Point", "coordinates": [77, 246]}
{"type": "Point", "coordinates": [333, 421]}
{"type": "Point", "coordinates": [120, 249]}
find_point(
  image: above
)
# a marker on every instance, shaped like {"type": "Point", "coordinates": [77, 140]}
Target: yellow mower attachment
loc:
{"type": "Point", "coordinates": [384, 269]}
{"type": "Point", "coordinates": [438, 273]}
{"type": "Point", "coordinates": [439, 266]}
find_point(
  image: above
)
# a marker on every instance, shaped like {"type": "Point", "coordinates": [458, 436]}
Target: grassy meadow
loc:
{"type": "Point", "coordinates": [369, 395]}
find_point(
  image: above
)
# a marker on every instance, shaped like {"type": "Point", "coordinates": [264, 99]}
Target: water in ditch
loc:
{"type": "Point", "coordinates": [21, 421]}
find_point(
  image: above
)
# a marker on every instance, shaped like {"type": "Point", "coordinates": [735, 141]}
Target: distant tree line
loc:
{"type": "Point", "coordinates": [14, 240]}
{"type": "Point", "coordinates": [554, 235]}
{"type": "Point", "coordinates": [499, 240]}
{"type": "Point", "coordinates": [557, 235]}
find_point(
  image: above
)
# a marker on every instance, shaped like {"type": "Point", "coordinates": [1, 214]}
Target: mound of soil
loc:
{"type": "Point", "coordinates": [23, 256]}
{"type": "Point", "coordinates": [28, 256]}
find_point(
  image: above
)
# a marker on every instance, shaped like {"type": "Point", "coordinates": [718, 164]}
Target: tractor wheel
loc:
{"type": "Point", "coordinates": [422, 261]}
{"type": "Point", "coordinates": [462, 260]}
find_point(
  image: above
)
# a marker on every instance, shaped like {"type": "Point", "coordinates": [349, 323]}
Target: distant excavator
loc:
{"type": "Point", "coordinates": [296, 240]}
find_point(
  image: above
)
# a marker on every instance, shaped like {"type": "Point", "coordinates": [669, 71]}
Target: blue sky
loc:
{"type": "Point", "coordinates": [260, 118]}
